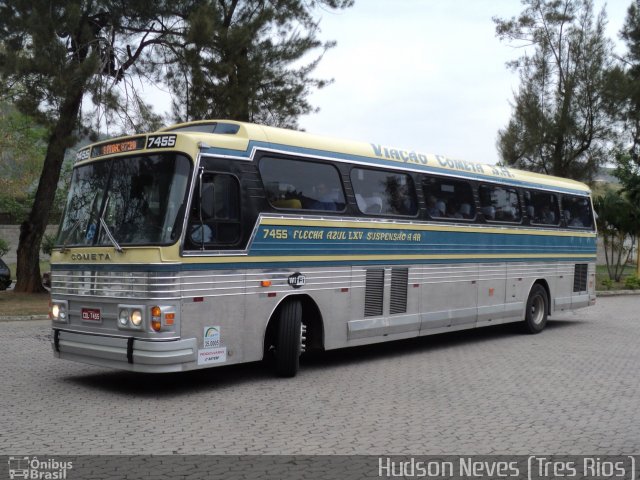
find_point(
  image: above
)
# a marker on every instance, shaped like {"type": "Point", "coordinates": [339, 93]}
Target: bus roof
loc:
{"type": "Point", "coordinates": [241, 140]}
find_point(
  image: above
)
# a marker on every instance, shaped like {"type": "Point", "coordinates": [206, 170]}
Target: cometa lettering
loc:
{"type": "Point", "coordinates": [94, 257]}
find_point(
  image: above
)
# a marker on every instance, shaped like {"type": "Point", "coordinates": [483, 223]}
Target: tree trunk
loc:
{"type": "Point", "coordinates": [32, 230]}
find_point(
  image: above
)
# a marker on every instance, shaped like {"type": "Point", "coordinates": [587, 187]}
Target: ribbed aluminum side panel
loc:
{"type": "Point", "coordinates": [374, 292]}
{"type": "Point", "coordinates": [399, 281]}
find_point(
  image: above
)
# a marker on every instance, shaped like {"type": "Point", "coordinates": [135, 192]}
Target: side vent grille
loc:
{"type": "Point", "coordinates": [580, 277]}
{"type": "Point", "coordinates": [374, 292]}
{"type": "Point", "coordinates": [399, 280]}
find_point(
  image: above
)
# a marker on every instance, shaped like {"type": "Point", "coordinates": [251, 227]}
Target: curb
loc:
{"type": "Point", "coordinates": [615, 293]}
{"type": "Point", "coordinates": [23, 318]}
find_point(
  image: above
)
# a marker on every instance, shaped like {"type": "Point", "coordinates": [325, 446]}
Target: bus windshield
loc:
{"type": "Point", "coordinates": [136, 200]}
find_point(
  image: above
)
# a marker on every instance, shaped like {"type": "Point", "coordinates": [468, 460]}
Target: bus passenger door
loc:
{"type": "Point", "coordinates": [449, 297]}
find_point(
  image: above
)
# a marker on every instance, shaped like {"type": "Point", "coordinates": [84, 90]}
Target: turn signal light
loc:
{"type": "Point", "coordinates": [156, 319]}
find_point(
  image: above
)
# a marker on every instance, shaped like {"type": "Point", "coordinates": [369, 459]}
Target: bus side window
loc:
{"type": "Point", "coordinates": [500, 204]}
{"type": "Point", "coordinates": [542, 208]}
{"type": "Point", "coordinates": [448, 198]}
{"type": "Point", "coordinates": [576, 212]}
{"type": "Point", "coordinates": [214, 220]}
{"type": "Point", "coordinates": [379, 192]}
{"type": "Point", "coordinates": [302, 185]}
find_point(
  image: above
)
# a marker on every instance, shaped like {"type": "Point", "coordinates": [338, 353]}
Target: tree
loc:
{"type": "Point", "coordinates": [244, 60]}
{"type": "Point", "coordinates": [627, 88]}
{"type": "Point", "coordinates": [22, 147]}
{"type": "Point", "coordinates": [53, 55]}
{"type": "Point", "coordinates": [618, 224]}
{"type": "Point", "coordinates": [561, 113]}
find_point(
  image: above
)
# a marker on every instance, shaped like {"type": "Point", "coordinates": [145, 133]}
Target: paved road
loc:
{"type": "Point", "coordinates": [572, 389]}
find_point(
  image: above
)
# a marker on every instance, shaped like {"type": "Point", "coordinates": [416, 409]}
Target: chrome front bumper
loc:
{"type": "Point", "coordinates": [125, 353]}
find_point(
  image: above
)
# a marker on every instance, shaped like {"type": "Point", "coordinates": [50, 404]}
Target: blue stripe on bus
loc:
{"type": "Point", "coordinates": [286, 240]}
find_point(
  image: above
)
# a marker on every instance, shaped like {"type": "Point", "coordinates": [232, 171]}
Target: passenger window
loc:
{"type": "Point", "coordinates": [447, 198]}
{"type": "Point", "coordinates": [499, 204]}
{"type": "Point", "coordinates": [215, 213]}
{"type": "Point", "coordinates": [302, 185]}
{"type": "Point", "coordinates": [384, 193]}
{"type": "Point", "coordinates": [542, 208]}
{"type": "Point", "coordinates": [576, 212]}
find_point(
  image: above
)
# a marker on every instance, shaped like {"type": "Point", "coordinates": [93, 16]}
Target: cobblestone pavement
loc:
{"type": "Point", "coordinates": [572, 389]}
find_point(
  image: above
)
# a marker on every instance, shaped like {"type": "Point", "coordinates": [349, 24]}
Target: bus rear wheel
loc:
{"type": "Point", "coordinates": [290, 339]}
{"type": "Point", "coordinates": [535, 314]}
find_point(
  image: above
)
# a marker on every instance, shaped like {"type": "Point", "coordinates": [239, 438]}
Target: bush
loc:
{"type": "Point", "coordinates": [632, 282]}
{"type": "Point", "coordinates": [48, 241]}
{"type": "Point", "coordinates": [4, 247]}
{"type": "Point", "coordinates": [607, 283]}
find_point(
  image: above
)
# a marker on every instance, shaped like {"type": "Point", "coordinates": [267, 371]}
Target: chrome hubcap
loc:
{"type": "Point", "coordinates": [537, 310]}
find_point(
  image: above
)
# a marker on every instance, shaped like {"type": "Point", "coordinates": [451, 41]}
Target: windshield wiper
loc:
{"type": "Point", "coordinates": [116, 245]}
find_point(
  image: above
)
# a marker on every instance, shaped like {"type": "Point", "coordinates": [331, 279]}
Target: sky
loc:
{"type": "Point", "coordinates": [424, 75]}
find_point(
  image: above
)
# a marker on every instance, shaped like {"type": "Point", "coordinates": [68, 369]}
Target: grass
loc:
{"type": "Point", "coordinates": [602, 278]}
{"type": "Point", "coordinates": [12, 303]}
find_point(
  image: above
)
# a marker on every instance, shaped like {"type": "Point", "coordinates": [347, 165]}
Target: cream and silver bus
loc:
{"type": "Point", "coordinates": [217, 242]}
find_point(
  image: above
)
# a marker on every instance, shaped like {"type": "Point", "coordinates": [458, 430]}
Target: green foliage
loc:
{"type": "Point", "coordinates": [560, 123]}
{"type": "Point", "coordinates": [625, 92]}
{"type": "Point", "coordinates": [618, 225]}
{"type": "Point", "coordinates": [244, 60]}
{"type": "Point", "coordinates": [4, 247]}
{"type": "Point", "coordinates": [632, 282]}
{"type": "Point", "coordinates": [22, 150]}
{"type": "Point", "coordinates": [607, 283]}
{"type": "Point", "coordinates": [48, 242]}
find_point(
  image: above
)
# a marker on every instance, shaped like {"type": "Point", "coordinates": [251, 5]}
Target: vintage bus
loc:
{"type": "Point", "coordinates": [216, 242]}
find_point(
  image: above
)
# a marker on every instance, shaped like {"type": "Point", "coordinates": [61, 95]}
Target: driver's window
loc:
{"type": "Point", "coordinates": [214, 221]}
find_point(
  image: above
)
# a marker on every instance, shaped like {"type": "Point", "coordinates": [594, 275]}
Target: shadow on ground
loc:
{"type": "Point", "coordinates": [185, 383]}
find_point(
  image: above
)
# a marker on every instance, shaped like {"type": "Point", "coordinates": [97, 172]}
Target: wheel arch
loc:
{"type": "Point", "coordinates": [311, 318]}
{"type": "Point", "coordinates": [544, 284]}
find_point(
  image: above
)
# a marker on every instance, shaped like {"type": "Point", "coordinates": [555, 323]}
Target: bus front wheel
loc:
{"type": "Point", "coordinates": [535, 315]}
{"type": "Point", "coordinates": [290, 339]}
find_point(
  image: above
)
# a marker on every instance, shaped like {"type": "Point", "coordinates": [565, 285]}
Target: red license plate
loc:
{"type": "Point", "coordinates": [91, 314]}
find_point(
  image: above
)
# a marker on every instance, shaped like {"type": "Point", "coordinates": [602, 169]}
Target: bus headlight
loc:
{"type": "Point", "coordinates": [123, 317]}
{"type": "Point", "coordinates": [130, 317]}
{"type": "Point", "coordinates": [58, 311]}
{"type": "Point", "coordinates": [136, 317]}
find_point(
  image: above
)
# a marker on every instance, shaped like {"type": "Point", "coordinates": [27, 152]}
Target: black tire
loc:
{"type": "Point", "coordinates": [535, 314]}
{"type": "Point", "coordinates": [288, 347]}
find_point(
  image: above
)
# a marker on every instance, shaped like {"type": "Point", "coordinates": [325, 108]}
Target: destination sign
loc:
{"type": "Point", "coordinates": [120, 146]}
